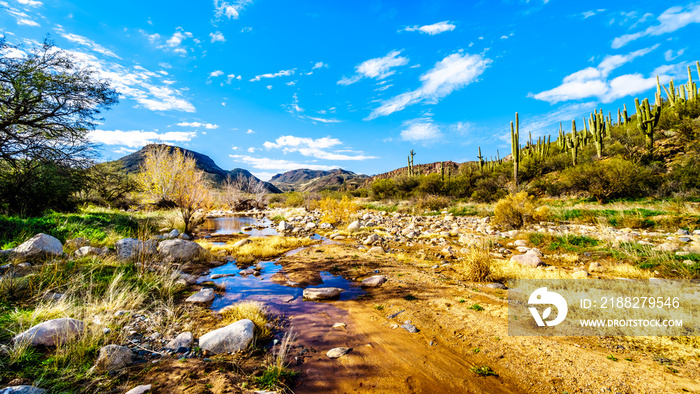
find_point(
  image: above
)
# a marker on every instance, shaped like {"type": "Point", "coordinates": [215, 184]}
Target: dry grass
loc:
{"type": "Point", "coordinates": [476, 264]}
{"type": "Point", "coordinates": [624, 270]}
{"type": "Point", "coordinates": [252, 310]}
{"type": "Point", "coordinates": [506, 269]}
{"type": "Point", "coordinates": [260, 248]}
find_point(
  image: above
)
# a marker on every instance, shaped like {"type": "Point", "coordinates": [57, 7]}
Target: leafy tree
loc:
{"type": "Point", "coordinates": [48, 105]}
{"type": "Point", "coordinates": [173, 176]}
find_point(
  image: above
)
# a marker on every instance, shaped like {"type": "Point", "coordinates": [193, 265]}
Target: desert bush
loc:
{"type": "Point", "coordinates": [515, 210]}
{"type": "Point", "coordinates": [610, 179]}
{"type": "Point", "coordinates": [336, 211]}
{"type": "Point", "coordinates": [383, 188]}
{"type": "Point", "coordinates": [294, 199]}
{"type": "Point", "coordinates": [476, 264]}
{"type": "Point", "coordinates": [405, 185]}
{"type": "Point", "coordinates": [432, 202]}
{"type": "Point", "coordinates": [488, 190]}
{"type": "Point", "coordinates": [431, 184]}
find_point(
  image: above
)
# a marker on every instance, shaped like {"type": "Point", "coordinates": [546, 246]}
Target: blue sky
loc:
{"type": "Point", "coordinates": [271, 86]}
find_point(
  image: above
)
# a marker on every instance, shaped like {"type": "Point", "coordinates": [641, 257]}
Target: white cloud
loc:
{"type": "Point", "coordinates": [588, 14]}
{"type": "Point", "coordinates": [268, 87]}
{"type": "Point", "coordinates": [319, 65]}
{"type": "Point", "coordinates": [85, 42]}
{"type": "Point", "coordinates": [177, 38]}
{"type": "Point", "coordinates": [670, 20]}
{"type": "Point", "coordinates": [216, 73]}
{"type": "Point", "coordinates": [421, 130]}
{"type": "Point", "coordinates": [282, 73]}
{"type": "Point", "coordinates": [217, 37]}
{"type": "Point", "coordinates": [124, 151]}
{"type": "Point", "coordinates": [593, 81]}
{"type": "Point", "coordinates": [548, 123]}
{"type": "Point", "coordinates": [234, 148]}
{"type": "Point", "coordinates": [290, 83]}
{"type": "Point", "coordinates": [379, 68]}
{"type": "Point", "coordinates": [136, 83]}
{"type": "Point", "coordinates": [251, 150]}
{"type": "Point", "coordinates": [435, 28]}
{"type": "Point", "coordinates": [22, 18]}
{"type": "Point", "coordinates": [231, 77]}
{"type": "Point", "coordinates": [138, 138]}
{"type": "Point", "coordinates": [30, 3]}
{"type": "Point", "coordinates": [250, 131]}
{"type": "Point", "coordinates": [451, 73]}
{"type": "Point", "coordinates": [198, 124]}
{"type": "Point", "coordinates": [264, 163]}
{"type": "Point", "coordinates": [316, 148]}
{"type": "Point", "coordinates": [323, 120]}
{"type": "Point", "coordinates": [671, 55]}
{"type": "Point", "coordinates": [229, 10]}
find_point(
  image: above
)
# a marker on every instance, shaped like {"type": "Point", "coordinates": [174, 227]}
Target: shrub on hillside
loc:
{"type": "Point", "coordinates": [515, 210]}
{"type": "Point", "coordinates": [609, 179]}
{"type": "Point", "coordinates": [405, 185]}
{"type": "Point", "coordinates": [431, 184]}
{"type": "Point", "coordinates": [488, 190]}
{"type": "Point", "coordinates": [383, 188]}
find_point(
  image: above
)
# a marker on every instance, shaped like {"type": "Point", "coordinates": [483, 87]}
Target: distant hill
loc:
{"type": "Point", "coordinates": [132, 162]}
{"type": "Point", "coordinates": [424, 169]}
{"type": "Point", "coordinates": [313, 180]}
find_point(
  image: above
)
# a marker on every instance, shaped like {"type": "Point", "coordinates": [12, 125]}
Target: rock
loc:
{"type": "Point", "coordinates": [128, 248]}
{"type": "Point", "coordinates": [185, 339]}
{"type": "Point", "coordinates": [520, 242]}
{"type": "Point", "coordinates": [310, 226]}
{"type": "Point", "coordinates": [580, 274]}
{"type": "Point", "coordinates": [354, 226]}
{"type": "Point", "coordinates": [22, 389]}
{"type": "Point", "coordinates": [173, 234]}
{"type": "Point", "coordinates": [374, 281]}
{"type": "Point", "coordinates": [321, 293]}
{"type": "Point", "coordinates": [326, 226]}
{"type": "Point", "coordinates": [113, 357]}
{"type": "Point", "coordinates": [283, 226]}
{"type": "Point", "coordinates": [530, 259]}
{"type": "Point", "coordinates": [88, 251]}
{"type": "Point", "coordinates": [52, 332]}
{"type": "Point", "coordinates": [682, 232]}
{"type": "Point", "coordinates": [499, 286]}
{"type": "Point", "coordinates": [241, 243]}
{"type": "Point", "coordinates": [685, 239]}
{"type": "Point", "coordinates": [337, 352]}
{"type": "Point", "coordinates": [184, 236]}
{"type": "Point", "coordinates": [203, 296]}
{"type": "Point", "coordinates": [376, 249]}
{"type": "Point", "coordinates": [178, 250]}
{"type": "Point", "coordinates": [409, 327]}
{"type": "Point", "coordinates": [596, 267]}
{"type": "Point", "coordinates": [39, 246]}
{"type": "Point", "coordinates": [339, 325]}
{"type": "Point", "coordinates": [232, 338]}
{"type": "Point", "coordinates": [371, 239]}
{"type": "Point", "coordinates": [144, 388]}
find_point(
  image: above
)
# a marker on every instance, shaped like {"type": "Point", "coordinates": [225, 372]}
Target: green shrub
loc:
{"type": "Point", "coordinates": [610, 179]}
{"type": "Point", "coordinates": [383, 188]}
{"type": "Point", "coordinates": [488, 190]}
{"type": "Point", "coordinates": [514, 210]}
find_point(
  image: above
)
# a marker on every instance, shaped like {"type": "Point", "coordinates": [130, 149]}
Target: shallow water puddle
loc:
{"type": "Point", "coordinates": [235, 224]}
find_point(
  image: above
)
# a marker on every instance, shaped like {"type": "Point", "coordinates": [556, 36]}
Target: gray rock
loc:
{"type": "Point", "coordinates": [128, 248]}
{"type": "Point", "coordinates": [354, 226]}
{"type": "Point", "coordinates": [337, 352]}
{"type": "Point", "coordinates": [173, 234]}
{"type": "Point", "coordinates": [326, 226]}
{"type": "Point", "coordinates": [232, 338]}
{"type": "Point", "coordinates": [144, 388]}
{"type": "Point", "coordinates": [88, 251]}
{"type": "Point", "coordinates": [310, 226]}
{"type": "Point", "coordinates": [530, 259]}
{"type": "Point", "coordinates": [51, 332]}
{"type": "Point", "coordinates": [409, 327]}
{"type": "Point", "coordinates": [185, 339]}
{"type": "Point", "coordinates": [667, 247]}
{"type": "Point", "coordinates": [371, 239]}
{"type": "Point", "coordinates": [38, 247]}
{"type": "Point", "coordinates": [520, 242]}
{"type": "Point", "coordinates": [179, 250]}
{"type": "Point", "coordinates": [499, 286]}
{"type": "Point", "coordinates": [283, 226]}
{"type": "Point", "coordinates": [374, 281]}
{"type": "Point", "coordinates": [22, 389]}
{"type": "Point", "coordinates": [685, 239]}
{"type": "Point", "coordinates": [321, 293]}
{"type": "Point", "coordinates": [113, 357]}
{"type": "Point", "coordinates": [203, 296]}
{"type": "Point", "coordinates": [184, 236]}
{"type": "Point", "coordinates": [682, 232]}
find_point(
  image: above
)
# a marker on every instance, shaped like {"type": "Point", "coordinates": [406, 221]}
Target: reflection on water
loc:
{"type": "Point", "coordinates": [261, 288]}
{"type": "Point", "coordinates": [236, 224]}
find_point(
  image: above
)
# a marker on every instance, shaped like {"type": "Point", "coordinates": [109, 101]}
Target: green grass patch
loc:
{"type": "Point", "coordinates": [381, 207]}
{"type": "Point", "coordinates": [573, 243]}
{"type": "Point", "coordinates": [483, 370]}
{"type": "Point", "coordinates": [275, 377]}
{"type": "Point", "coordinates": [476, 307]}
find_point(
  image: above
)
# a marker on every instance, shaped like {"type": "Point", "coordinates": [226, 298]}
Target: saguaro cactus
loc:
{"type": "Point", "coordinates": [573, 142]}
{"type": "Point", "coordinates": [442, 170]}
{"type": "Point", "coordinates": [647, 120]}
{"type": "Point", "coordinates": [515, 147]}
{"type": "Point", "coordinates": [597, 126]}
{"type": "Point", "coordinates": [410, 163]}
{"type": "Point", "coordinates": [481, 160]}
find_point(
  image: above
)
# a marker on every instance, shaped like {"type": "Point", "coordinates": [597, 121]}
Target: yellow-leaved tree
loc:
{"type": "Point", "coordinates": [168, 174]}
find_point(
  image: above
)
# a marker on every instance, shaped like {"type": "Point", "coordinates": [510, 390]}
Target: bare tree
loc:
{"type": "Point", "coordinates": [243, 193]}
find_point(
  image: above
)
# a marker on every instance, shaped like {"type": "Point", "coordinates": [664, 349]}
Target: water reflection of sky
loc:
{"type": "Point", "coordinates": [236, 224]}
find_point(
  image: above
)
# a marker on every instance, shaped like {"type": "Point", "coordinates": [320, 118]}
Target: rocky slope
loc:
{"type": "Point", "coordinates": [312, 180]}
